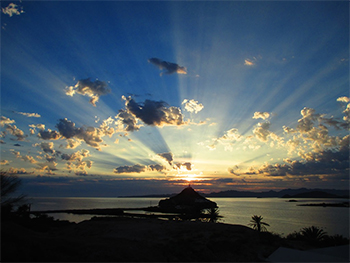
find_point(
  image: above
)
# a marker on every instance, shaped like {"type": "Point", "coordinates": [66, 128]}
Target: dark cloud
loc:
{"type": "Point", "coordinates": [154, 113]}
{"type": "Point", "coordinates": [168, 66]}
{"type": "Point", "coordinates": [167, 156]}
{"type": "Point", "coordinates": [156, 167]}
{"type": "Point", "coordinates": [187, 165]}
{"type": "Point", "coordinates": [137, 168]}
{"type": "Point", "coordinates": [91, 135]}
{"type": "Point", "coordinates": [67, 128]}
{"type": "Point", "coordinates": [47, 147]}
{"type": "Point", "coordinates": [92, 89]}
{"type": "Point", "coordinates": [49, 135]}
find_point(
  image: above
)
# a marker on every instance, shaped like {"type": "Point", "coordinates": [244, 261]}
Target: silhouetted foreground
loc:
{"type": "Point", "coordinates": [133, 239]}
{"type": "Point", "coordinates": [125, 239]}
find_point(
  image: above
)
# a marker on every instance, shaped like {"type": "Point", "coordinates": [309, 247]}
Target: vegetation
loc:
{"type": "Point", "coordinates": [258, 224]}
{"type": "Point", "coordinates": [9, 186]}
{"type": "Point", "coordinates": [213, 215]}
{"type": "Point", "coordinates": [317, 237]}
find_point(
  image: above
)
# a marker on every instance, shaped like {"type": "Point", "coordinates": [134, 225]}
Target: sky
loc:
{"type": "Point", "coordinates": [113, 98]}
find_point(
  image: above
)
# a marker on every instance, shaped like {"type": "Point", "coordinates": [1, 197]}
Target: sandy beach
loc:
{"type": "Point", "coordinates": [124, 239]}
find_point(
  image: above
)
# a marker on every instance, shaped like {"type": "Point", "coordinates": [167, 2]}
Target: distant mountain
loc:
{"type": "Point", "coordinates": [286, 193]}
{"type": "Point", "coordinates": [313, 194]}
{"type": "Point", "coordinates": [326, 193]}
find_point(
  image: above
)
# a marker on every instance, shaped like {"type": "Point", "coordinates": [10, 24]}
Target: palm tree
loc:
{"type": "Point", "coordinates": [213, 214]}
{"type": "Point", "coordinates": [258, 224]}
{"type": "Point", "coordinates": [313, 233]}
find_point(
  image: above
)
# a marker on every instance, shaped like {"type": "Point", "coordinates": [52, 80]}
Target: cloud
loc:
{"type": "Point", "coordinates": [137, 168]}
{"type": "Point", "coordinates": [79, 155]}
{"type": "Point", "coordinates": [326, 162]}
{"type": "Point", "coordinates": [12, 9]}
{"type": "Point", "coordinates": [18, 133]}
{"type": "Point", "coordinates": [186, 165]}
{"type": "Point", "coordinates": [30, 115]}
{"type": "Point", "coordinates": [168, 66]}
{"type": "Point", "coordinates": [13, 170]}
{"type": "Point", "coordinates": [75, 161]}
{"type": "Point", "coordinates": [4, 162]}
{"type": "Point", "coordinates": [262, 115]}
{"type": "Point", "coordinates": [154, 113]}
{"type": "Point", "coordinates": [47, 147]}
{"type": "Point", "coordinates": [156, 167]}
{"type": "Point", "coordinates": [72, 144]}
{"type": "Point", "coordinates": [91, 135]}
{"type": "Point", "coordinates": [192, 105]}
{"type": "Point", "coordinates": [49, 135]}
{"type": "Point", "coordinates": [262, 131]}
{"type": "Point", "coordinates": [5, 121]}
{"type": "Point", "coordinates": [88, 88]}
{"type": "Point", "coordinates": [28, 158]}
{"type": "Point", "coordinates": [347, 109]}
{"type": "Point", "coordinates": [167, 156]}
{"type": "Point", "coordinates": [33, 127]}
{"type": "Point", "coordinates": [25, 158]}
{"type": "Point", "coordinates": [248, 62]}
{"type": "Point", "coordinates": [252, 62]}
{"type": "Point", "coordinates": [306, 123]}
{"type": "Point", "coordinates": [126, 118]}
{"type": "Point", "coordinates": [11, 129]}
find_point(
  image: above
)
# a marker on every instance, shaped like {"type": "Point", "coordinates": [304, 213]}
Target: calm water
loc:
{"type": "Point", "coordinates": [283, 217]}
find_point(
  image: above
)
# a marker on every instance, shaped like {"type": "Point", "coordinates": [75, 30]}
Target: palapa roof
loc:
{"type": "Point", "coordinates": [188, 198]}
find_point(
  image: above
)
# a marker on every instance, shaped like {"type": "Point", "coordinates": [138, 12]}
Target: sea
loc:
{"type": "Point", "coordinates": [283, 217]}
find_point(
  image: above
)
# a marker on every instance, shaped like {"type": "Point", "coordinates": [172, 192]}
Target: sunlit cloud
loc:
{"type": "Point", "coordinates": [12, 9]}
{"type": "Point", "coordinates": [347, 109]}
{"type": "Point", "coordinates": [168, 66]}
{"type": "Point", "coordinates": [4, 162]}
{"type": "Point", "coordinates": [192, 105]}
{"type": "Point", "coordinates": [13, 170]}
{"type": "Point", "coordinates": [183, 166]}
{"type": "Point", "coordinates": [92, 89]}
{"type": "Point", "coordinates": [33, 127]}
{"type": "Point", "coordinates": [262, 131]}
{"type": "Point", "coordinates": [248, 62]}
{"type": "Point", "coordinates": [262, 115]}
{"type": "Point", "coordinates": [5, 121]}
{"type": "Point", "coordinates": [30, 115]}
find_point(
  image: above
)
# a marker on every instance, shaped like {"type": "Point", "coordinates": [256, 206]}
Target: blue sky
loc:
{"type": "Point", "coordinates": [116, 98]}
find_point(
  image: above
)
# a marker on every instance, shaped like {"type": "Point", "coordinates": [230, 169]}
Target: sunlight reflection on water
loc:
{"type": "Point", "coordinates": [283, 217]}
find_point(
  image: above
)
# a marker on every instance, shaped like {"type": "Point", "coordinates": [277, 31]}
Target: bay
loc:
{"type": "Point", "coordinates": [283, 217]}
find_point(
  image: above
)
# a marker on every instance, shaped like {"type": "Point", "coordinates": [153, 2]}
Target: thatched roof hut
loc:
{"type": "Point", "coordinates": [187, 200]}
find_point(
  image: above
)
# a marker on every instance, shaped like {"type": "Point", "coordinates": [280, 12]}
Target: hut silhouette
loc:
{"type": "Point", "coordinates": [186, 201]}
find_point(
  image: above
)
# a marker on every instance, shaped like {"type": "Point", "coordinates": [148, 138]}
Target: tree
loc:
{"type": "Point", "coordinates": [258, 224]}
{"type": "Point", "coordinates": [313, 234]}
{"type": "Point", "coordinates": [9, 185]}
{"type": "Point", "coordinates": [213, 214]}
